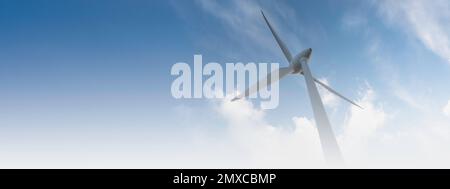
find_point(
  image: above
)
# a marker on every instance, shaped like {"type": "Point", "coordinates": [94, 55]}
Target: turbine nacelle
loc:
{"type": "Point", "coordinates": [306, 53]}
{"type": "Point", "coordinates": [302, 56]}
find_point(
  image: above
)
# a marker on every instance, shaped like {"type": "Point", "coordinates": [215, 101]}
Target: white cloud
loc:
{"type": "Point", "coordinates": [368, 138]}
{"type": "Point", "coordinates": [446, 109]}
{"type": "Point", "coordinates": [361, 126]}
{"type": "Point", "coordinates": [272, 146]}
{"type": "Point", "coordinates": [269, 146]}
{"type": "Point", "coordinates": [248, 140]}
{"type": "Point", "coordinates": [429, 21]}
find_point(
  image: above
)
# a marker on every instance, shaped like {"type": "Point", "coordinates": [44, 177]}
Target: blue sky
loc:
{"type": "Point", "coordinates": [92, 78]}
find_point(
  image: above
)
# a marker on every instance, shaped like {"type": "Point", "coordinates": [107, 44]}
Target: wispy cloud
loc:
{"type": "Point", "coordinates": [353, 20]}
{"type": "Point", "coordinates": [245, 26]}
{"type": "Point", "coordinates": [428, 21]}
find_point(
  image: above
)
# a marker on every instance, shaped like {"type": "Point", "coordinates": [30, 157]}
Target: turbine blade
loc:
{"type": "Point", "coordinates": [264, 82]}
{"type": "Point", "coordinates": [336, 93]}
{"type": "Point", "coordinates": [283, 47]}
{"type": "Point", "coordinates": [328, 141]}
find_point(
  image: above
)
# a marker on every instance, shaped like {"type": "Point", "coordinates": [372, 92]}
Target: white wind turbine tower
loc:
{"type": "Point", "coordinates": [299, 65]}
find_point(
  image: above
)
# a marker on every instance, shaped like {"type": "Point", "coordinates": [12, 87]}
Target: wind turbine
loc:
{"type": "Point", "coordinates": [299, 65]}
